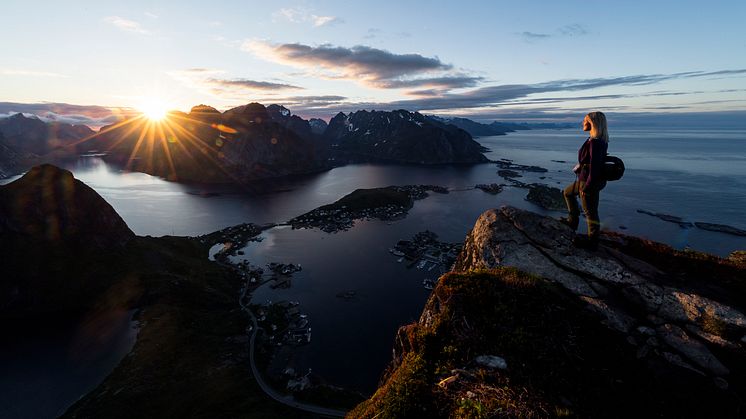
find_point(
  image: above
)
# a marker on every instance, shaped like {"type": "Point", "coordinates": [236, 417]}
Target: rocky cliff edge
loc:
{"type": "Point", "coordinates": [527, 325]}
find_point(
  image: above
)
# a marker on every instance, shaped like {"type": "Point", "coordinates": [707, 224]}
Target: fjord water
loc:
{"type": "Point", "coordinates": [50, 364]}
{"type": "Point", "coordinates": [697, 175]}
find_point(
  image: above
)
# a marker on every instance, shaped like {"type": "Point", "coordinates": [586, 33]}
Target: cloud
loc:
{"type": "Point", "coordinates": [371, 66]}
{"type": "Point", "coordinates": [443, 82]}
{"type": "Point", "coordinates": [93, 116]}
{"type": "Point", "coordinates": [574, 29]}
{"type": "Point", "coordinates": [212, 81]}
{"type": "Point", "coordinates": [357, 62]}
{"type": "Point", "coordinates": [501, 98]}
{"type": "Point", "coordinates": [30, 73]}
{"type": "Point", "coordinates": [325, 20]}
{"type": "Point", "coordinates": [530, 36]}
{"type": "Point", "coordinates": [250, 84]}
{"type": "Point", "coordinates": [489, 96]}
{"type": "Point", "coordinates": [300, 15]}
{"type": "Point", "coordinates": [372, 33]}
{"type": "Point", "coordinates": [151, 15]}
{"type": "Point", "coordinates": [126, 25]}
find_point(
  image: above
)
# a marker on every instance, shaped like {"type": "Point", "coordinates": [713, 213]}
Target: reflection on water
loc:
{"type": "Point", "coordinates": [698, 175]}
{"type": "Point", "coordinates": [49, 365]}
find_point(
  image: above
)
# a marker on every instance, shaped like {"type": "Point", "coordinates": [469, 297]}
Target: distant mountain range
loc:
{"type": "Point", "coordinates": [478, 129]}
{"type": "Point", "coordinates": [251, 142]}
{"type": "Point", "coordinates": [400, 136]}
{"type": "Point", "coordinates": [32, 135]}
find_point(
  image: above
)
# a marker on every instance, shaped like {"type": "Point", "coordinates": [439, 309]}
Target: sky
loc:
{"type": "Point", "coordinates": [505, 60]}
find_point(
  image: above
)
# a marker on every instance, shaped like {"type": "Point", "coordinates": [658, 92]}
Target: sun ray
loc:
{"type": "Point", "coordinates": [124, 136]}
{"type": "Point", "coordinates": [195, 141]}
{"type": "Point", "coordinates": [135, 149]}
{"type": "Point", "coordinates": [110, 128]}
{"type": "Point", "coordinates": [167, 151]}
{"type": "Point", "coordinates": [167, 125]}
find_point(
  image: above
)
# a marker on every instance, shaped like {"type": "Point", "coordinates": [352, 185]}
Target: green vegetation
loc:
{"type": "Point", "coordinates": [560, 360]}
{"type": "Point", "coordinates": [191, 354]}
{"type": "Point", "coordinates": [362, 199]}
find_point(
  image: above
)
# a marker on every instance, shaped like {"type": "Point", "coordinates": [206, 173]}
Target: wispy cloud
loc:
{"type": "Point", "coordinates": [300, 15]}
{"type": "Point", "coordinates": [571, 30]}
{"type": "Point", "coordinates": [534, 36]}
{"type": "Point", "coordinates": [126, 25]}
{"type": "Point", "coordinates": [212, 81]}
{"type": "Point", "coordinates": [151, 15]}
{"type": "Point", "coordinates": [325, 20]}
{"type": "Point", "coordinates": [499, 98]}
{"type": "Point", "coordinates": [371, 66]}
{"type": "Point", "coordinates": [251, 84]}
{"type": "Point", "coordinates": [575, 29]}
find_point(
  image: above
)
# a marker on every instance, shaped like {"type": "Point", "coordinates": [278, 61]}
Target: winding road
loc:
{"type": "Point", "coordinates": [287, 400]}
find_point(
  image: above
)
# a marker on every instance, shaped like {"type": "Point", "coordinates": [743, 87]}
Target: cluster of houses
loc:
{"type": "Point", "coordinates": [233, 238]}
{"type": "Point", "coordinates": [424, 251]}
{"type": "Point", "coordinates": [284, 323]}
{"type": "Point", "coordinates": [342, 219]}
{"type": "Point", "coordinates": [332, 220]}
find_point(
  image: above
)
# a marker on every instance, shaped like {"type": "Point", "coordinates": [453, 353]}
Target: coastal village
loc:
{"type": "Point", "coordinates": [389, 203]}
{"type": "Point", "coordinates": [282, 324]}
{"type": "Point", "coordinates": [425, 252]}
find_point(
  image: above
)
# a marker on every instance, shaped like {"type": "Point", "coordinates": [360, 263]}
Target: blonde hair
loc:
{"type": "Point", "coordinates": [598, 125]}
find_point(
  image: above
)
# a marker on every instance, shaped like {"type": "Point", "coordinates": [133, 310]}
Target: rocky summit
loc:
{"type": "Point", "coordinates": [527, 325]}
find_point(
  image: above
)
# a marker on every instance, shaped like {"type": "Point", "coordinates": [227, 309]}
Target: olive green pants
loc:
{"type": "Point", "coordinates": [590, 208]}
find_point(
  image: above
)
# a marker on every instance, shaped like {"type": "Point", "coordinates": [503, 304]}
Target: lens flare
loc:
{"type": "Point", "coordinates": [154, 109]}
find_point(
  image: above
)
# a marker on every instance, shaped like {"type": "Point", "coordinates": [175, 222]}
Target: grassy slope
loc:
{"type": "Point", "coordinates": [189, 359]}
{"type": "Point", "coordinates": [561, 360]}
{"type": "Point", "coordinates": [361, 199]}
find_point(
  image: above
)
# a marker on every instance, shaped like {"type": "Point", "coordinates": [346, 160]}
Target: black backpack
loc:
{"type": "Point", "coordinates": [613, 168]}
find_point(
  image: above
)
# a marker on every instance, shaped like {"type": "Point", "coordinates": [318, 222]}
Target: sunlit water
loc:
{"type": "Point", "coordinates": [697, 175]}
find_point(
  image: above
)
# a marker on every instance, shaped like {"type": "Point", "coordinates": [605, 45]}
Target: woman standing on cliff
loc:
{"type": "Point", "coordinates": [590, 180]}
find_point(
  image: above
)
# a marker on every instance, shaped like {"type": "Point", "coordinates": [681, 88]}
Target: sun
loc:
{"type": "Point", "coordinates": [154, 109]}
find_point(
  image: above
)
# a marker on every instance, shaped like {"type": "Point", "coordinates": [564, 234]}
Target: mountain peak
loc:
{"type": "Point", "coordinates": [48, 205]}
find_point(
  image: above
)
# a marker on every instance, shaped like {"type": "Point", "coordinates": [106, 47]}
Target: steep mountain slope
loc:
{"type": "Point", "coordinates": [242, 144]}
{"type": "Point", "coordinates": [526, 325]}
{"type": "Point", "coordinates": [66, 253]}
{"type": "Point", "coordinates": [52, 229]}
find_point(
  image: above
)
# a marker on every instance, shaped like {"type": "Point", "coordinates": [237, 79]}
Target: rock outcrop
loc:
{"type": "Point", "coordinates": [634, 328]}
{"type": "Point", "coordinates": [627, 288]}
{"type": "Point", "coordinates": [401, 137]}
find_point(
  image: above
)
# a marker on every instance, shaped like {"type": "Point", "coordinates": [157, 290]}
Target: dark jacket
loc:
{"type": "Point", "coordinates": [591, 158]}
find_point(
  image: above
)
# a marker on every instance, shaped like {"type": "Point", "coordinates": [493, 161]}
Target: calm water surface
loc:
{"type": "Point", "coordinates": [697, 175]}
